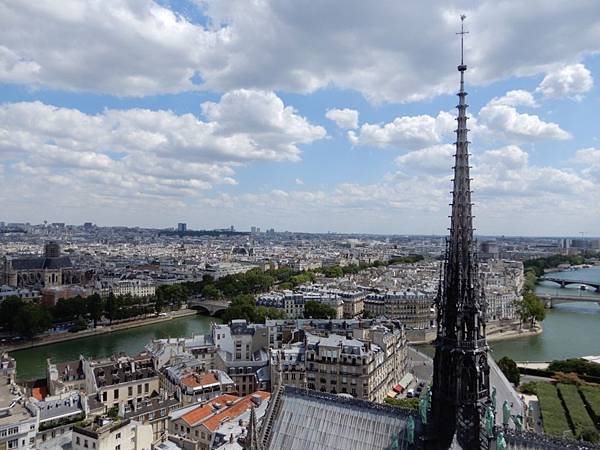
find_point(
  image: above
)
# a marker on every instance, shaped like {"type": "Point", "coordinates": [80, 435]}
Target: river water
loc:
{"type": "Point", "coordinates": [31, 363]}
{"type": "Point", "coordinates": [570, 330]}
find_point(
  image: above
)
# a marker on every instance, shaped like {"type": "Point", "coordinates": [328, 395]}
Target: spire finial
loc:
{"type": "Point", "coordinates": [462, 33]}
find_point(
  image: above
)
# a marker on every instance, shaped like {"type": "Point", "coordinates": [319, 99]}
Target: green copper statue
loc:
{"type": "Point", "coordinates": [424, 404]}
{"type": "Point", "coordinates": [500, 442]}
{"type": "Point", "coordinates": [410, 430]}
{"type": "Point", "coordinates": [494, 399]}
{"type": "Point", "coordinates": [489, 420]}
{"type": "Point", "coordinates": [395, 445]}
{"type": "Point", "coordinates": [505, 413]}
{"type": "Point", "coordinates": [518, 420]}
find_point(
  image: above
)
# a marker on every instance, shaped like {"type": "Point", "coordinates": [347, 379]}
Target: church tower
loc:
{"type": "Point", "coordinates": [460, 388]}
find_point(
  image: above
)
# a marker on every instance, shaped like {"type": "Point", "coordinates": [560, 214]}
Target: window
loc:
{"type": "Point", "coordinates": [118, 436]}
{"type": "Point", "coordinates": [139, 389]}
{"type": "Point", "coordinates": [118, 447]}
{"type": "Point", "coordinates": [116, 394]}
{"type": "Point", "coordinates": [13, 430]}
{"type": "Point", "coordinates": [130, 391]}
{"type": "Point", "coordinates": [104, 396]}
{"type": "Point", "coordinates": [85, 443]}
{"type": "Point", "coordinates": [13, 444]}
{"type": "Point", "coordinates": [146, 388]}
{"type": "Point", "coordinates": [77, 440]}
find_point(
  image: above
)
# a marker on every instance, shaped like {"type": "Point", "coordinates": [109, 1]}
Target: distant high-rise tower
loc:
{"type": "Point", "coordinates": [182, 227]}
{"type": "Point", "coordinates": [460, 389]}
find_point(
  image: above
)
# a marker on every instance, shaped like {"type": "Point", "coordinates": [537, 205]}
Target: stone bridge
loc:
{"type": "Point", "coordinates": [211, 307]}
{"type": "Point", "coordinates": [551, 300]}
{"type": "Point", "coordinates": [565, 283]}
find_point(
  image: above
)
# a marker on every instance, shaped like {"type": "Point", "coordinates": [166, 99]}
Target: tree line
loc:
{"type": "Point", "coordinates": [29, 318]}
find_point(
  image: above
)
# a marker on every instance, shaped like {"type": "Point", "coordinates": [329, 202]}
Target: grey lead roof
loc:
{"type": "Point", "coordinates": [310, 420]}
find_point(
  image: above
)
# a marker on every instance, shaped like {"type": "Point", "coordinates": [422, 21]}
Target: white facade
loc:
{"type": "Point", "coordinates": [123, 435]}
{"type": "Point", "coordinates": [135, 288]}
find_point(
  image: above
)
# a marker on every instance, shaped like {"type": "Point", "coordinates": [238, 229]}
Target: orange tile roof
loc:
{"type": "Point", "coordinates": [195, 380]}
{"type": "Point", "coordinates": [39, 393]}
{"type": "Point", "coordinates": [233, 411]}
{"type": "Point", "coordinates": [197, 415]}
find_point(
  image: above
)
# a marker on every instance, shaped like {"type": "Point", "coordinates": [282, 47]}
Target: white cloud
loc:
{"type": "Point", "coordinates": [587, 156]}
{"type": "Point", "coordinates": [121, 47]}
{"type": "Point", "coordinates": [344, 118]}
{"type": "Point", "coordinates": [405, 132]}
{"type": "Point", "coordinates": [139, 152]}
{"type": "Point", "coordinates": [299, 181]}
{"type": "Point", "coordinates": [138, 47]}
{"type": "Point", "coordinates": [509, 157]}
{"type": "Point", "coordinates": [517, 97]}
{"type": "Point", "coordinates": [434, 159]}
{"type": "Point", "coordinates": [505, 122]}
{"type": "Point", "coordinates": [567, 81]}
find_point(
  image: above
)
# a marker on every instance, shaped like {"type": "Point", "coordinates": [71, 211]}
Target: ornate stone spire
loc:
{"type": "Point", "coordinates": [461, 372]}
{"type": "Point", "coordinates": [252, 438]}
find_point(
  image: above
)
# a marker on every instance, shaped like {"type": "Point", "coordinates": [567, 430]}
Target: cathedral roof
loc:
{"type": "Point", "coordinates": [41, 263]}
{"type": "Point", "coordinates": [311, 420]}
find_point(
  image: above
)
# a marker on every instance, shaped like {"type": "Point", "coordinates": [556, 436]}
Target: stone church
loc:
{"type": "Point", "coordinates": [51, 269]}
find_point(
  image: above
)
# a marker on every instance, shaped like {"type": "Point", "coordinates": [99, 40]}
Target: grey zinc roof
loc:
{"type": "Point", "coordinates": [39, 263]}
{"type": "Point", "coordinates": [310, 420]}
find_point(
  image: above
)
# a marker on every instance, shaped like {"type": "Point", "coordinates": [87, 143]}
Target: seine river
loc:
{"type": "Point", "coordinates": [31, 363]}
{"type": "Point", "coordinates": [570, 330]}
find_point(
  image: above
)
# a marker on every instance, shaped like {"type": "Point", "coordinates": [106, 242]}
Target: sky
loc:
{"type": "Point", "coordinates": [299, 115]}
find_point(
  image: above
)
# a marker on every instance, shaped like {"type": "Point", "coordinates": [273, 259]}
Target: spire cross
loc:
{"type": "Point", "coordinates": [462, 33]}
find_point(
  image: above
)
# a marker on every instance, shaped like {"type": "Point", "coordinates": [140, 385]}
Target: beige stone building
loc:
{"type": "Point", "coordinates": [106, 434]}
{"type": "Point", "coordinates": [122, 380]}
{"type": "Point", "coordinates": [365, 363]}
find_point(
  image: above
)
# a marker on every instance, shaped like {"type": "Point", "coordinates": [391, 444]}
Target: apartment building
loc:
{"type": "Point", "coordinates": [107, 434]}
{"type": "Point", "coordinates": [242, 354]}
{"type": "Point", "coordinates": [186, 382]}
{"type": "Point", "coordinates": [18, 422]}
{"type": "Point", "coordinates": [121, 380]}
{"type": "Point", "coordinates": [365, 363]}
{"type": "Point", "coordinates": [413, 309]}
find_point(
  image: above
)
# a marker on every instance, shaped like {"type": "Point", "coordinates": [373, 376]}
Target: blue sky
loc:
{"type": "Point", "coordinates": [303, 116]}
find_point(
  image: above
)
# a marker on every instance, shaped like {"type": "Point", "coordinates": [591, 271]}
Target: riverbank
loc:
{"type": "Point", "coordinates": [504, 335]}
{"type": "Point", "coordinates": [495, 333]}
{"type": "Point", "coordinates": [66, 336]}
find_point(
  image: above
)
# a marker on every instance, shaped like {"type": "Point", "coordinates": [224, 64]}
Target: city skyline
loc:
{"type": "Point", "coordinates": [192, 116]}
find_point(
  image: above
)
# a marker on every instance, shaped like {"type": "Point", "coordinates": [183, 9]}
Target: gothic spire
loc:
{"type": "Point", "coordinates": [461, 374]}
{"type": "Point", "coordinates": [252, 438]}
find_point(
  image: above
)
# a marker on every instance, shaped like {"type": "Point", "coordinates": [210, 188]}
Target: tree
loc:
{"type": "Point", "coordinates": [316, 310]}
{"type": "Point", "coordinates": [111, 307]}
{"type": "Point", "coordinates": [158, 305]}
{"type": "Point", "coordinates": [210, 291]}
{"type": "Point", "coordinates": [242, 307]}
{"type": "Point", "coordinates": [333, 271]}
{"type": "Point", "coordinates": [32, 319]}
{"type": "Point", "coordinates": [510, 370]}
{"type": "Point", "coordinates": [95, 307]}
{"type": "Point", "coordinates": [262, 313]}
{"type": "Point", "coordinates": [531, 309]}
{"type": "Point", "coordinates": [10, 308]}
